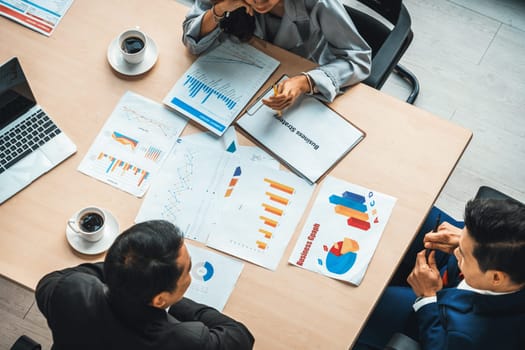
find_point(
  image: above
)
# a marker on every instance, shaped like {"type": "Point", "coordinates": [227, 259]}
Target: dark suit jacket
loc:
{"type": "Point", "coordinates": [81, 316]}
{"type": "Point", "coordinates": [465, 320]}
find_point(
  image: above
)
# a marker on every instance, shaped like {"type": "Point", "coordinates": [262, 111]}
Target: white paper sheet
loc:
{"type": "Point", "coordinates": [40, 15]}
{"type": "Point", "coordinates": [309, 138]}
{"type": "Point", "coordinates": [133, 144]}
{"type": "Point", "coordinates": [213, 277]}
{"type": "Point", "coordinates": [215, 89]}
{"type": "Point", "coordinates": [258, 221]}
{"type": "Point", "coordinates": [342, 231]}
{"type": "Point", "coordinates": [196, 178]}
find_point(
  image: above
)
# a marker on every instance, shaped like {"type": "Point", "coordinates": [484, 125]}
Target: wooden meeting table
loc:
{"type": "Point", "coordinates": [407, 153]}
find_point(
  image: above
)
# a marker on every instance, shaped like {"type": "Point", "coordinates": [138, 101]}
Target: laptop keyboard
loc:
{"type": "Point", "coordinates": [26, 137]}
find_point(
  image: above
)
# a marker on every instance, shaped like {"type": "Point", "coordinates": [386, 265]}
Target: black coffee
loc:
{"type": "Point", "coordinates": [91, 222]}
{"type": "Point", "coordinates": [132, 44]}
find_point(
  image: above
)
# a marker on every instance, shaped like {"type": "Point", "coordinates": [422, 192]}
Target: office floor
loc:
{"type": "Point", "coordinates": [467, 55]}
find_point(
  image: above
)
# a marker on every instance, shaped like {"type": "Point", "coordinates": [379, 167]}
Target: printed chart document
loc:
{"type": "Point", "coordinates": [133, 144]}
{"type": "Point", "coordinates": [309, 138]}
{"type": "Point", "coordinates": [220, 83]}
{"type": "Point", "coordinates": [213, 277]}
{"type": "Point", "coordinates": [263, 210]}
{"type": "Point", "coordinates": [200, 173]}
{"type": "Point", "coordinates": [342, 231]}
{"type": "Point", "coordinates": [40, 15]}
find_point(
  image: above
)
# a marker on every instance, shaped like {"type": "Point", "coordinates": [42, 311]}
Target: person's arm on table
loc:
{"type": "Point", "coordinates": [215, 330]}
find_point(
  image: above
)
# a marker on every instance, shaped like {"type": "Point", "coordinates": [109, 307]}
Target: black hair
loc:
{"type": "Point", "coordinates": [238, 23]}
{"type": "Point", "coordinates": [141, 262]}
{"type": "Point", "coordinates": [498, 229]}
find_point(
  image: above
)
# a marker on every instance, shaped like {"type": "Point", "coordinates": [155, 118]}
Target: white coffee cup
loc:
{"type": "Point", "coordinates": [132, 44]}
{"type": "Point", "coordinates": [89, 223]}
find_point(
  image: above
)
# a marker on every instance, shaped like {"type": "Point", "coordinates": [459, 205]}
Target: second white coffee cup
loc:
{"type": "Point", "coordinates": [132, 44]}
{"type": "Point", "coordinates": [89, 223]}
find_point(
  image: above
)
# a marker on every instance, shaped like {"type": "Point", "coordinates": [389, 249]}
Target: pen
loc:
{"type": "Point", "coordinates": [436, 226]}
{"type": "Point", "coordinates": [279, 113]}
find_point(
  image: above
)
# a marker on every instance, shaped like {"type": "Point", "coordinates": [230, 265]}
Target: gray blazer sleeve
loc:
{"type": "Point", "coordinates": [192, 27]}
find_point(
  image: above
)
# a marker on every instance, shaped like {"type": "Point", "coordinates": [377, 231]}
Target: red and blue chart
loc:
{"type": "Point", "coordinates": [353, 206]}
{"type": "Point", "coordinates": [341, 256]}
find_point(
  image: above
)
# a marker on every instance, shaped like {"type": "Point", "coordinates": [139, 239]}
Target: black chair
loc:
{"type": "Point", "coordinates": [388, 45]}
{"type": "Point", "coordinates": [26, 343]}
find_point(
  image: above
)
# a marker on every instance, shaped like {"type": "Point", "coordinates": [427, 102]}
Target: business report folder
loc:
{"type": "Point", "coordinates": [309, 138]}
{"type": "Point", "coordinates": [220, 83]}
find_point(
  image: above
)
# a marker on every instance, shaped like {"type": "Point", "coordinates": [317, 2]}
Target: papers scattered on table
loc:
{"type": "Point", "coordinates": [213, 277]}
{"type": "Point", "coordinates": [133, 144]}
{"type": "Point", "coordinates": [194, 180]}
{"type": "Point", "coordinates": [310, 138]}
{"type": "Point", "coordinates": [263, 209]}
{"type": "Point", "coordinates": [40, 15]}
{"type": "Point", "coordinates": [342, 230]}
{"type": "Point", "coordinates": [220, 83]}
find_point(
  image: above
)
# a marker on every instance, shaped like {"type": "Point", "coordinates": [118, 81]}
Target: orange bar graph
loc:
{"type": "Point", "coordinates": [233, 182]}
{"type": "Point", "coordinates": [272, 209]}
{"type": "Point", "coordinates": [261, 245]}
{"type": "Point", "coordinates": [349, 212]}
{"type": "Point", "coordinates": [277, 198]}
{"type": "Point", "coordinates": [228, 192]}
{"type": "Point", "coordinates": [267, 234]}
{"type": "Point", "coordinates": [280, 186]}
{"type": "Point", "coordinates": [268, 221]}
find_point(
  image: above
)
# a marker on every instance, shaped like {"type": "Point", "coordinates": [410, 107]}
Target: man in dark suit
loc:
{"type": "Point", "coordinates": [134, 300]}
{"type": "Point", "coordinates": [468, 293]}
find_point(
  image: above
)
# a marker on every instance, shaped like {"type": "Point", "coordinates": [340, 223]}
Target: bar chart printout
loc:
{"type": "Point", "coordinates": [133, 144]}
{"type": "Point", "coordinates": [258, 220]}
{"type": "Point", "coordinates": [342, 230]}
{"type": "Point", "coordinates": [214, 90]}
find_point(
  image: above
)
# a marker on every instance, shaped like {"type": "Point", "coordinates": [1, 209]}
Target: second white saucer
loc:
{"type": "Point", "coordinates": [92, 248]}
{"type": "Point", "coordinates": [118, 63]}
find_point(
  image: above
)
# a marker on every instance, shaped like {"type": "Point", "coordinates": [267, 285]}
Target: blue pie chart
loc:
{"type": "Point", "coordinates": [202, 271]}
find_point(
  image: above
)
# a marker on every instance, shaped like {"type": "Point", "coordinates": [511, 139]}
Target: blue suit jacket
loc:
{"type": "Point", "coordinates": [465, 320]}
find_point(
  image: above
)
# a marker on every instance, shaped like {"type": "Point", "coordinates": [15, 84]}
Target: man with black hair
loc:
{"type": "Point", "coordinates": [134, 300]}
{"type": "Point", "coordinates": [475, 300]}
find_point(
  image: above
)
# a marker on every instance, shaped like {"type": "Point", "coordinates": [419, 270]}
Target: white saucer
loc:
{"type": "Point", "coordinates": [118, 63]}
{"type": "Point", "coordinates": [92, 248]}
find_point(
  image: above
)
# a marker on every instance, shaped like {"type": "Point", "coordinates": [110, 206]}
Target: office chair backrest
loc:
{"type": "Point", "coordinates": [389, 9]}
{"type": "Point", "coordinates": [387, 41]}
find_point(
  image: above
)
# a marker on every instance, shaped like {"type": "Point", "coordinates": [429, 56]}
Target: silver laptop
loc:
{"type": "Point", "coordinates": [30, 142]}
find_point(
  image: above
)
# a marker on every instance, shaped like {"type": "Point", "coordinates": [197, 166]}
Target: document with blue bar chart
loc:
{"type": "Point", "coordinates": [220, 83]}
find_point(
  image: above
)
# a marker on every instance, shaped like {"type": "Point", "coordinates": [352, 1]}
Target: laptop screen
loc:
{"type": "Point", "coordinates": [16, 97]}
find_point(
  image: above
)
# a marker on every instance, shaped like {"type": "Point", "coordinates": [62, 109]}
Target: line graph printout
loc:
{"type": "Point", "coordinates": [220, 83]}
{"type": "Point", "coordinates": [261, 215]}
{"type": "Point", "coordinates": [133, 144]}
{"type": "Point", "coordinates": [188, 186]}
{"type": "Point", "coordinates": [341, 233]}
{"type": "Point", "coordinates": [213, 277]}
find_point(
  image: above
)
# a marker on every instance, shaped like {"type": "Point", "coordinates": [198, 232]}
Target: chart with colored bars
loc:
{"type": "Point", "coordinates": [278, 197]}
{"type": "Point", "coordinates": [133, 144]}
{"type": "Point", "coordinates": [196, 85]}
{"type": "Point", "coordinates": [214, 90]}
{"type": "Point", "coordinates": [342, 231]}
{"type": "Point", "coordinates": [265, 205]}
{"type": "Point", "coordinates": [128, 173]}
{"type": "Point", "coordinates": [353, 206]}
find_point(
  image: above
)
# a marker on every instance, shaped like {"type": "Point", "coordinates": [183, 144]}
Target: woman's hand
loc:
{"type": "Point", "coordinates": [220, 8]}
{"type": "Point", "coordinates": [287, 92]}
